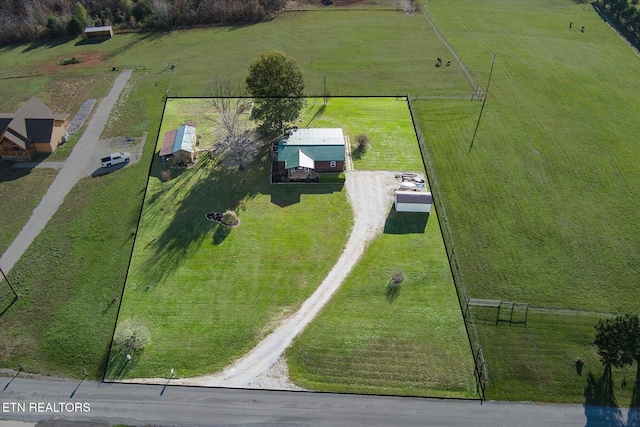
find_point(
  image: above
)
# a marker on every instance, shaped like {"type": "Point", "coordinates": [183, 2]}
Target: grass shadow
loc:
{"type": "Point", "coordinates": [317, 114]}
{"type": "Point", "coordinates": [600, 407]}
{"type": "Point", "coordinates": [9, 173]}
{"type": "Point", "coordinates": [92, 41]}
{"type": "Point", "coordinates": [392, 291]}
{"type": "Point", "coordinates": [405, 222]}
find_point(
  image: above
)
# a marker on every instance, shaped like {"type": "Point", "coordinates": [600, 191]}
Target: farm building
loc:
{"type": "Point", "coordinates": [98, 32]}
{"type": "Point", "coordinates": [306, 152]}
{"type": "Point", "coordinates": [178, 146]}
{"type": "Point", "coordinates": [413, 201]}
{"type": "Point", "coordinates": [34, 128]}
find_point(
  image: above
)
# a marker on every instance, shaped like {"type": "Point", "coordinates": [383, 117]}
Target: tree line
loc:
{"type": "Point", "coordinates": [626, 11]}
{"type": "Point", "coordinates": [29, 20]}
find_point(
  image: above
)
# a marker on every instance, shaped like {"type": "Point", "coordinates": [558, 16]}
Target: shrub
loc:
{"type": "Point", "coordinates": [230, 218]}
{"type": "Point", "coordinates": [131, 335]}
{"type": "Point", "coordinates": [362, 142]}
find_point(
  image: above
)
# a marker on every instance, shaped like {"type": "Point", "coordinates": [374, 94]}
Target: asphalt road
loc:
{"type": "Point", "coordinates": [194, 406]}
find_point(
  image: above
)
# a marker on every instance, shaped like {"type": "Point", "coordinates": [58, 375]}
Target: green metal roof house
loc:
{"type": "Point", "coordinates": [306, 152]}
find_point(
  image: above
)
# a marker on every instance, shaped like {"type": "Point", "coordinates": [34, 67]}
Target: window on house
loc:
{"type": "Point", "coordinates": [332, 164]}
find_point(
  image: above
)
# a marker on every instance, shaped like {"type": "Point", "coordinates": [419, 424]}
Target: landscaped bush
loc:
{"type": "Point", "coordinates": [230, 218]}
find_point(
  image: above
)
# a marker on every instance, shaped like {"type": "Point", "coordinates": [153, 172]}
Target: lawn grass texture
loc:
{"type": "Point", "coordinates": [371, 338]}
{"type": "Point", "coordinates": [208, 293]}
{"type": "Point", "coordinates": [71, 277]}
{"type": "Point", "coordinates": [24, 188]}
{"type": "Point", "coordinates": [537, 362]}
{"type": "Point", "coordinates": [386, 121]}
{"type": "Point", "coordinates": [544, 205]}
{"type": "Point", "coordinates": [359, 53]}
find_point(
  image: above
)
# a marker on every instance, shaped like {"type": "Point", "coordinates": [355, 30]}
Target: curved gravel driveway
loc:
{"type": "Point", "coordinates": [370, 194]}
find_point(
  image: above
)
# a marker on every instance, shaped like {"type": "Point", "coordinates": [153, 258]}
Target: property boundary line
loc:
{"type": "Point", "coordinates": [480, 367]}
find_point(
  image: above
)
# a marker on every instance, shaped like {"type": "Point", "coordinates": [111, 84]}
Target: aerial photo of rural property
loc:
{"type": "Point", "coordinates": [320, 212]}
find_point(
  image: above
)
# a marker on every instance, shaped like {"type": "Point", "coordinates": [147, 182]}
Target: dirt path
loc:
{"type": "Point", "coordinates": [82, 162]}
{"type": "Point", "coordinates": [370, 194]}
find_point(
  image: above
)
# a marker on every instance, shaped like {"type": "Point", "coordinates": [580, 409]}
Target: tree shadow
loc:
{"type": "Point", "coordinates": [119, 365]}
{"type": "Point", "coordinates": [285, 195]}
{"type": "Point", "coordinates": [405, 222]}
{"type": "Point", "coordinates": [205, 187]}
{"type": "Point", "coordinates": [358, 152]}
{"type": "Point", "coordinates": [600, 407]}
{"type": "Point", "coordinates": [609, 18]}
{"type": "Point", "coordinates": [50, 43]}
{"type": "Point", "coordinates": [142, 36]}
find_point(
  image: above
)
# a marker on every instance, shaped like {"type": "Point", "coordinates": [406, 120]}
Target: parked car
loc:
{"type": "Point", "coordinates": [114, 159]}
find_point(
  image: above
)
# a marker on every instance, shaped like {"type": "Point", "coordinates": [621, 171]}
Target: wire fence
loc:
{"type": "Point", "coordinates": [480, 367]}
{"type": "Point", "coordinates": [477, 92]}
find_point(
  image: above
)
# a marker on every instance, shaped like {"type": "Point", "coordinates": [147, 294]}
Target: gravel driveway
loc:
{"type": "Point", "coordinates": [81, 163]}
{"type": "Point", "coordinates": [371, 196]}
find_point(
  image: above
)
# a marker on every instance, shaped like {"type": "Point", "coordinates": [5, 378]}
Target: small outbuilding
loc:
{"type": "Point", "coordinates": [105, 32]}
{"type": "Point", "coordinates": [413, 201]}
{"type": "Point", "coordinates": [178, 146]}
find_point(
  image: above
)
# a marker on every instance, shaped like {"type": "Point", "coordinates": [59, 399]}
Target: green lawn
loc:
{"type": "Point", "coordinates": [71, 278]}
{"type": "Point", "coordinates": [24, 188]}
{"type": "Point", "coordinates": [542, 207]}
{"type": "Point", "coordinates": [373, 339]}
{"type": "Point", "coordinates": [359, 53]}
{"type": "Point", "coordinates": [544, 203]}
{"type": "Point", "coordinates": [384, 120]}
{"type": "Point", "coordinates": [537, 362]}
{"type": "Point", "coordinates": [208, 293]}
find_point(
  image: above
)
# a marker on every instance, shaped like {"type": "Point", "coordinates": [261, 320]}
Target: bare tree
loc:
{"type": "Point", "coordinates": [228, 105]}
{"type": "Point", "coordinates": [229, 111]}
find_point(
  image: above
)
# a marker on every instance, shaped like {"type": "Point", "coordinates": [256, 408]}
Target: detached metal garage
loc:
{"type": "Point", "coordinates": [413, 201]}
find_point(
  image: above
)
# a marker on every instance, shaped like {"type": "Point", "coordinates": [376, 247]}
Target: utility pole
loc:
{"type": "Point", "coordinates": [486, 93]}
{"type": "Point", "coordinates": [10, 285]}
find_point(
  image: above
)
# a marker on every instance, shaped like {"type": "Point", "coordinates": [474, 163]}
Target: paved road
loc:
{"type": "Point", "coordinates": [82, 162]}
{"type": "Point", "coordinates": [194, 406]}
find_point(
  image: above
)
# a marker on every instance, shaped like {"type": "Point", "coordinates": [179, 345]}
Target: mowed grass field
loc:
{"type": "Point", "coordinates": [71, 278]}
{"type": "Point", "coordinates": [209, 293]}
{"type": "Point", "coordinates": [384, 120]}
{"type": "Point", "coordinates": [359, 53]}
{"type": "Point", "coordinates": [374, 339]}
{"type": "Point", "coordinates": [543, 206]}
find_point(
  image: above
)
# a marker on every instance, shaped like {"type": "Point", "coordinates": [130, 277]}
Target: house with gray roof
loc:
{"type": "Point", "coordinates": [306, 152]}
{"type": "Point", "coordinates": [34, 128]}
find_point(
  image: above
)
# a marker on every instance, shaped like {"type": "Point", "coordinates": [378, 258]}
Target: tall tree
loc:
{"type": "Point", "coordinates": [618, 344]}
{"type": "Point", "coordinates": [276, 83]}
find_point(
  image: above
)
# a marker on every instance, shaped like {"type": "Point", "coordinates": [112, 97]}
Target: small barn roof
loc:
{"type": "Point", "coordinates": [185, 139]}
{"type": "Point", "coordinates": [167, 142]}
{"type": "Point", "coordinates": [99, 30]}
{"type": "Point", "coordinates": [414, 197]}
